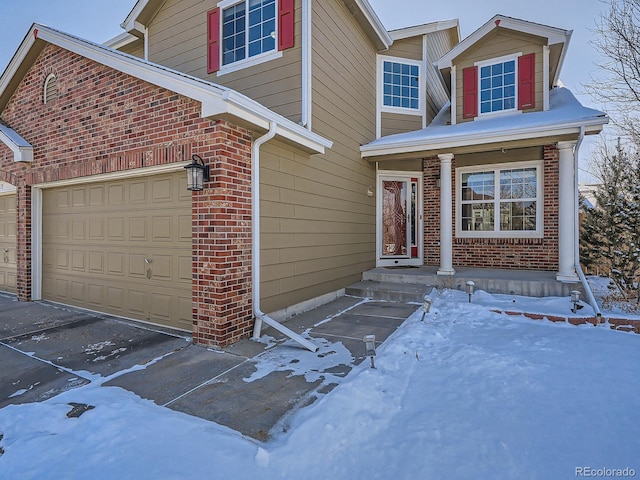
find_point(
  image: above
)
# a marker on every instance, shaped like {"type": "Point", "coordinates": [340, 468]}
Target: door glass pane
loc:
{"type": "Point", "coordinates": [394, 218]}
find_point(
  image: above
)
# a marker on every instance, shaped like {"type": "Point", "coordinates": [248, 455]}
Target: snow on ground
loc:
{"type": "Point", "coordinates": [465, 393]}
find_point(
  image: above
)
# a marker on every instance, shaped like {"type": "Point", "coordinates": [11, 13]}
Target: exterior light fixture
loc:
{"type": "Point", "coordinates": [426, 305]}
{"type": "Point", "coordinates": [471, 287]}
{"type": "Point", "coordinates": [370, 347]}
{"type": "Point", "coordinates": [197, 173]}
{"type": "Point", "coordinates": [575, 299]}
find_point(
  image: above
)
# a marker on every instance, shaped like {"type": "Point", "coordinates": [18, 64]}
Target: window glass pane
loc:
{"type": "Point", "coordinates": [258, 24]}
{"type": "Point", "coordinates": [497, 87]}
{"type": "Point", "coordinates": [480, 185]}
{"type": "Point", "coordinates": [478, 217]}
{"type": "Point", "coordinates": [517, 216]}
{"type": "Point", "coordinates": [400, 85]}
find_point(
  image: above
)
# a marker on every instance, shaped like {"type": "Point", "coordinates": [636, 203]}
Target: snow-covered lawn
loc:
{"type": "Point", "coordinates": [464, 394]}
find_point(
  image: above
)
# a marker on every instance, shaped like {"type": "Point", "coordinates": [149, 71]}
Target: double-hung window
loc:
{"type": "Point", "coordinates": [248, 29]}
{"type": "Point", "coordinates": [241, 33]}
{"type": "Point", "coordinates": [399, 81]}
{"type": "Point", "coordinates": [500, 201]}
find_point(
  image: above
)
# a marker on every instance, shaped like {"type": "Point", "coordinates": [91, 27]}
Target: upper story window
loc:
{"type": "Point", "coordinates": [241, 33]}
{"type": "Point", "coordinates": [248, 29]}
{"type": "Point", "coordinates": [399, 82]}
{"type": "Point", "coordinates": [499, 85]}
{"type": "Point", "coordinates": [500, 201]}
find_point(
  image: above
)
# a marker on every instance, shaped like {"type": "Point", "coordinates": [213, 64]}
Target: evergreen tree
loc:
{"type": "Point", "coordinates": [610, 235]}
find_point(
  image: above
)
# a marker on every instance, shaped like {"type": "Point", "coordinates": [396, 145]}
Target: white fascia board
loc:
{"type": "Point", "coordinates": [212, 97]}
{"type": "Point", "coordinates": [375, 22]}
{"type": "Point", "coordinates": [591, 127]}
{"type": "Point", "coordinates": [427, 28]}
{"type": "Point", "coordinates": [552, 34]}
{"type": "Point", "coordinates": [130, 23]}
{"type": "Point", "coordinates": [22, 150]}
{"type": "Point", "coordinates": [120, 41]}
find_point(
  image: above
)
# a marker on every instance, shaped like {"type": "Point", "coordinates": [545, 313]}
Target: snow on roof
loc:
{"type": "Point", "coordinates": [565, 115]}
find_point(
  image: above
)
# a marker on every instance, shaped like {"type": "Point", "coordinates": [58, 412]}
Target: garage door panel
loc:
{"type": "Point", "coordinates": [114, 228]}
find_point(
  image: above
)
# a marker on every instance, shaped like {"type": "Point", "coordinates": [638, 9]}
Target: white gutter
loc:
{"type": "Point", "coordinates": [578, 267]}
{"type": "Point", "coordinates": [255, 234]}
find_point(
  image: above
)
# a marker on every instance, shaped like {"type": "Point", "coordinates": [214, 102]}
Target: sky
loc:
{"type": "Point", "coordinates": [99, 20]}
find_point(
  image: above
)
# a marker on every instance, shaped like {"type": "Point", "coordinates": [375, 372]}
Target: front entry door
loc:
{"type": "Point", "coordinates": [399, 219]}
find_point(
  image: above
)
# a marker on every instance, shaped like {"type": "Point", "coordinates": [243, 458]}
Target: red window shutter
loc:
{"type": "Point", "coordinates": [527, 81]}
{"type": "Point", "coordinates": [286, 24]}
{"type": "Point", "coordinates": [470, 92]}
{"type": "Point", "coordinates": [213, 40]}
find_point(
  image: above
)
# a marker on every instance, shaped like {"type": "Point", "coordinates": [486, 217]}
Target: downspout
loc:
{"type": "Point", "coordinates": [578, 267]}
{"type": "Point", "coordinates": [255, 256]}
{"type": "Point", "coordinates": [306, 64]}
{"type": "Point", "coordinates": [146, 43]}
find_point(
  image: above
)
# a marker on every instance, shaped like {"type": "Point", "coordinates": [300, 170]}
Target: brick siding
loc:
{"type": "Point", "coordinates": [105, 121]}
{"type": "Point", "coordinates": [506, 253]}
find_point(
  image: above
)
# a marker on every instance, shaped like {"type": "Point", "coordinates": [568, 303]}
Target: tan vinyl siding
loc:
{"type": "Point", "coordinates": [406, 48]}
{"type": "Point", "coordinates": [136, 49]}
{"type": "Point", "coordinates": [438, 43]}
{"type": "Point", "coordinates": [393, 123]}
{"type": "Point", "coordinates": [497, 46]}
{"type": "Point", "coordinates": [178, 39]}
{"type": "Point", "coordinates": [317, 226]}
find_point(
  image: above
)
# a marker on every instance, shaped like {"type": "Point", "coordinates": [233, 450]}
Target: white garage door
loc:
{"type": "Point", "coordinates": [8, 243]}
{"type": "Point", "coordinates": [121, 247]}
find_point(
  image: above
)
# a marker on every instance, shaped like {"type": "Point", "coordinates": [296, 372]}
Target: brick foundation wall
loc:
{"type": "Point", "coordinates": [104, 121]}
{"type": "Point", "coordinates": [506, 253]}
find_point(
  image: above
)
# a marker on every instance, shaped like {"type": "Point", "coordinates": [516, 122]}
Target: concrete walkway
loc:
{"type": "Point", "coordinates": [251, 387]}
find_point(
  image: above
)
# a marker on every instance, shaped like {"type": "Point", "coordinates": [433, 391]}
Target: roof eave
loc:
{"type": "Point", "coordinates": [215, 100]}
{"type": "Point", "coordinates": [427, 28]}
{"type": "Point", "coordinates": [592, 127]}
{"type": "Point", "coordinates": [22, 150]}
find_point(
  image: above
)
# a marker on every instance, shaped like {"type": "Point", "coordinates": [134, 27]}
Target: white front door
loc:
{"type": "Point", "coordinates": [399, 219]}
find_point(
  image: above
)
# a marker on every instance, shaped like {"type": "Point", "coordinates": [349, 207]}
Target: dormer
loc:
{"type": "Point", "coordinates": [506, 67]}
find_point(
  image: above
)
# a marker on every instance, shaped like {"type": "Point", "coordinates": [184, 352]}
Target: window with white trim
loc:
{"type": "Point", "coordinates": [500, 200]}
{"type": "Point", "coordinates": [248, 29]}
{"type": "Point", "coordinates": [498, 87]}
{"type": "Point", "coordinates": [400, 85]}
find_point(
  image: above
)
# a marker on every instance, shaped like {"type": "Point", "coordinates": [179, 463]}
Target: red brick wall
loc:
{"type": "Point", "coordinates": [508, 253]}
{"type": "Point", "coordinates": [105, 121]}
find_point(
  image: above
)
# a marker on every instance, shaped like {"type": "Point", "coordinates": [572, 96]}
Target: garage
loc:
{"type": "Point", "coordinates": [121, 247]}
{"type": "Point", "coordinates": [7, 242]}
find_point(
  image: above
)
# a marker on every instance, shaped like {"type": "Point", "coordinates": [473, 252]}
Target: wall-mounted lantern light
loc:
{"type": "Point", "coordinates": [197, 173]}
{"type": "Point", "coordinates": [370, 347]}
{"type": "Point", "coordinates": [471, 287]}
{"type": "Point", "coordinates": [575, 299]}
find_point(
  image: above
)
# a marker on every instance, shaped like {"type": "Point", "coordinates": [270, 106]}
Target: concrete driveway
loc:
{"type": "Point", "coordinates": [252, 387]}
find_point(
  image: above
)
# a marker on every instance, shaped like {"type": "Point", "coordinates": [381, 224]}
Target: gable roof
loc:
{"type": "Point", "coordinates": [566, 116]}
{"type": "Point", "coordinates": [216, 101]}
{"type": "Point", "coordinates": [553, 36]}
{"type": "Point", "coordinates": [144, 10]}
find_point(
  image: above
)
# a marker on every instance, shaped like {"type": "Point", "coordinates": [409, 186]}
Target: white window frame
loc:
{"type": "Point", "coordinates": [496, 232]}
{"type": "Point", "coordinates": [420, 111]}
{"type": "Point", "coordinates": [247, 61]}
{"type": "Point", "coordinates": [494, 61]}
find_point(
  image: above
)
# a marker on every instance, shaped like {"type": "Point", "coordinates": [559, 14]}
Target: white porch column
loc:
{"type": "Point", "coordinates": [446, 216]}
{"type": "Point", "coordinates": [566, 214]}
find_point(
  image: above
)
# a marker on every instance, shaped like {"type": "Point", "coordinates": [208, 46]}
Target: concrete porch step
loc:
{"type": "Point", "coordinates": [389, 291]}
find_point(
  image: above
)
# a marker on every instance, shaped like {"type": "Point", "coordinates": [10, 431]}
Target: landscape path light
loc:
{"type": "Point", "coordinates": [471, 287]}
{"type": "Point", "coordinates": [370, 347]}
